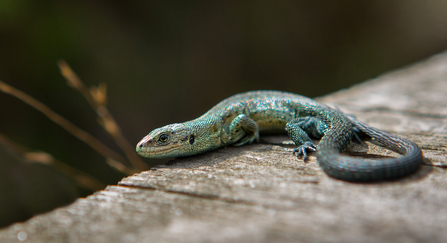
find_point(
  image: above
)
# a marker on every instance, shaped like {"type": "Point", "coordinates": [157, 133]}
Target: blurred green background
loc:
{"type": "Point", "coordinates": [170, 61]}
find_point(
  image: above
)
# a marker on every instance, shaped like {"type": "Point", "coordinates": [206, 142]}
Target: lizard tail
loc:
{"type": "Point", "coordinates": [354, 169]}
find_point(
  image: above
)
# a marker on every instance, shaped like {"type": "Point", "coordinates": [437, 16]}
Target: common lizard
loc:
{"type": "Point", "coordinates": [239, 120]}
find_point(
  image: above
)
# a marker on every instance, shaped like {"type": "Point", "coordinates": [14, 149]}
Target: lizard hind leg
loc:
{"type": "Point", "coordinates": [299, 130]}
{"type": "Point", "coordinates": [243, 130]}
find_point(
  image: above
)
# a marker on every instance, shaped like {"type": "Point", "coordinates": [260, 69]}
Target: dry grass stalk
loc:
{"type": "Point", "coordinates": [97, 97]}
{"type": "Point", "coordinates": [80, 178]}
{"type": "Point", "coordinates": [61, 121]}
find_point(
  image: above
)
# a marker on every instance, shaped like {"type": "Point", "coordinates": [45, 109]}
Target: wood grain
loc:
{"type": "Point", "coordinates": [261, 193]}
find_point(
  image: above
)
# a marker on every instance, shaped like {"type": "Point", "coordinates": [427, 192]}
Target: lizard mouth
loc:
{"type": "Point", "coordinates": [147, 148]}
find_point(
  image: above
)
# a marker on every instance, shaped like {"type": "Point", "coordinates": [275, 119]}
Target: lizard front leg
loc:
{"type": "Point", "coordinates": [299, 130]}
{"type": "Point", "coordinates": [243, 130]}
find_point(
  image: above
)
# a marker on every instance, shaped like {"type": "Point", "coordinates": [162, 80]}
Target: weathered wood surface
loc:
{"type": "Point", "coordinates": [261, 193]}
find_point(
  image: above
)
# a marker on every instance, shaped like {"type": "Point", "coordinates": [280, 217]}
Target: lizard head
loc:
{"type": "Point", "coordinates": [174, 140]}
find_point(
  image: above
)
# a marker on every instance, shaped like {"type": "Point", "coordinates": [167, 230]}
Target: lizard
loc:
{"type": "Point", "coordinates": [239, 119]}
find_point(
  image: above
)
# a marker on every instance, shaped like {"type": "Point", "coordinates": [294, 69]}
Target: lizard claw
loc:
{"type": "Point", "coordinates": [248, 140]}
{"type": "Point", "coordinates": [301, 150]}
{"type": "Point", "coordinates": [356, 136]}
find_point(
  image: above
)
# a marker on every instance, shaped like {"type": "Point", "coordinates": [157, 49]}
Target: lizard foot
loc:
{"type": "Point", "coordinates": [356, 136]}
{"type": "Point", "coordinates": [301, 150]}
{"type": "Point", "coordinates": [248, 140]}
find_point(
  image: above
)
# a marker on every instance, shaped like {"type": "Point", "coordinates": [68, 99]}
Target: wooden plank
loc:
{"type": "Point", "coordinates": [261, 193]}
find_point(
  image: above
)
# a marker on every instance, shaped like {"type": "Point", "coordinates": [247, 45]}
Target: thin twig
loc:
{"type": "Point", "coordinates": [97, 97]}
{"type": "Point", "coordinates": [82, 179]}
{"type": "Point", "coordinates": [61, 121]}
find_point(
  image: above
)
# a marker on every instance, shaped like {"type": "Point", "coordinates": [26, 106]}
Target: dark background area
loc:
{"type": "Point", "coordinates": [170, 61]}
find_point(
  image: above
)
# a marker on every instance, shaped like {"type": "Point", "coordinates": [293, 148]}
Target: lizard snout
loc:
{"type": "Point", "coordinates": [144, 144]}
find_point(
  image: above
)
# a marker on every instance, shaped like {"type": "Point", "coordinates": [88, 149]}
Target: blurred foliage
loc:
{"type": "Point", "coordinates": [170, 61]}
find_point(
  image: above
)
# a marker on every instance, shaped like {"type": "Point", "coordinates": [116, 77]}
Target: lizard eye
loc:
{"type": "Point", "coordinates": [163, 138]}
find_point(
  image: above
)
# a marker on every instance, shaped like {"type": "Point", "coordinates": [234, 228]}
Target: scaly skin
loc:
{"type": "Point", "coordinates": [239, 120]}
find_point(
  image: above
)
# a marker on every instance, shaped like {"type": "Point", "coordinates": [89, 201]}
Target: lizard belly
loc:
{"type": "Point", "coordinates": [272, 121]}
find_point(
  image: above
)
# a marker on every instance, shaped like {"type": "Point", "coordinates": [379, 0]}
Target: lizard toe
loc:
{"type": "Point", "coordinates": [302, 150]}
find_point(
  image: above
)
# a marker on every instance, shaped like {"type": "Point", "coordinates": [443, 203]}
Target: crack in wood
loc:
{"type": "Point", "coordinates": [189, 193]}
